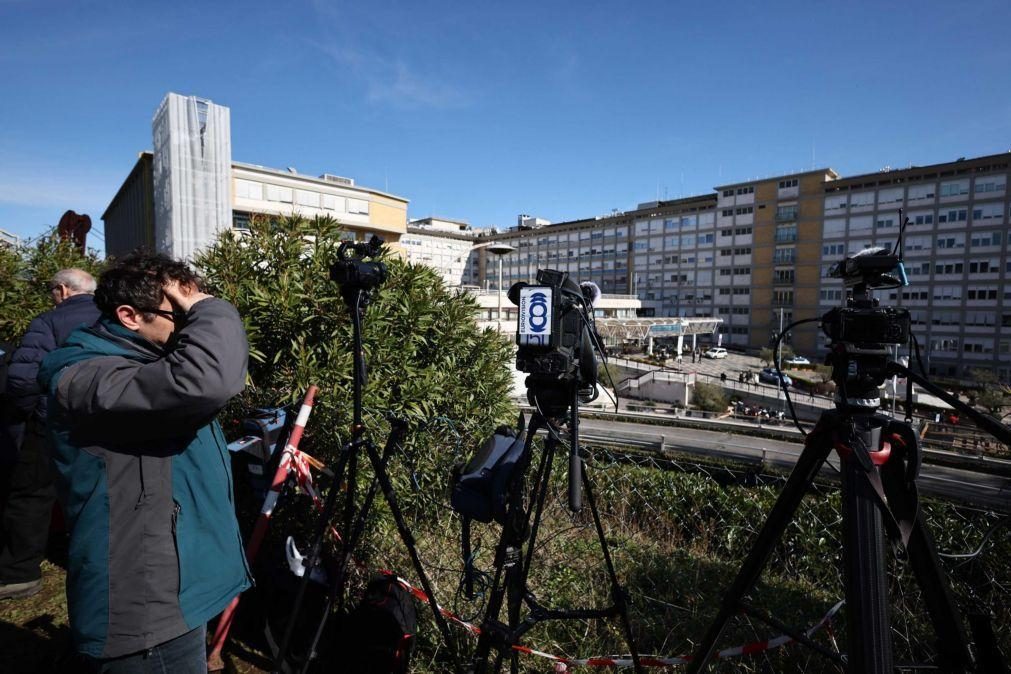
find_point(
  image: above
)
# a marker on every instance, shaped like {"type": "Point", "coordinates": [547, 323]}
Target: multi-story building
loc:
{"type": "Point", "coordinates": [757, 254]}
{"type": "Point", "coordinates": [443, 244]}
{"type": "Point", "coordinates": [257, 190]}
{"type": "Point", "coordinates": [956, 253]}
{"type": "Point", "coordinates": [178, 198]}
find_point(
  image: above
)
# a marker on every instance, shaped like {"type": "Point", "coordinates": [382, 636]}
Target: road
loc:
{"type": "Point", "coordinates": [990, 491]}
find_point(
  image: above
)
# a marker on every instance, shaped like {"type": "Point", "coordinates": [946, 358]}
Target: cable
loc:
{"type": "Point", "coordinates": [919, 359]}
{"type": "Point", "coordinates": [1004, 521]}
{"type": "Point", "coordinates": [779, 371]}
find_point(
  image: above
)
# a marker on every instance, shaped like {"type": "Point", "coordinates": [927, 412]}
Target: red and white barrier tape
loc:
{"type": "Point", "coordinates": [644, 660]}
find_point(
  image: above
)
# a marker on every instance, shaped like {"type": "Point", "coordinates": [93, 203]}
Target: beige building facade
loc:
{"type": "Point", "coordinates": [261, 191]}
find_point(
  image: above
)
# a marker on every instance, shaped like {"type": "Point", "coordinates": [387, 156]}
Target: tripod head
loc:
{"type": "Point", "coordinates": [862, 330]}
{"type": "Point", "coordinates": [356, 276]}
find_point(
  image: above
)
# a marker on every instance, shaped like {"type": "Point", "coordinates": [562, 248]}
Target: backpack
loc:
{"type": "Point", "coordinates": [378, 636]}
{"type": "Point", "coordinates": [483, 488]}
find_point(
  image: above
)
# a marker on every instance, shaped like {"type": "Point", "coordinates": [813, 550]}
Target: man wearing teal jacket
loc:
{"type": "Point", "coordinates": [143, 469]}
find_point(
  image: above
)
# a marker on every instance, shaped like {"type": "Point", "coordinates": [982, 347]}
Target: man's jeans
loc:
{"type": "Point", "coordinates": [186, 654]}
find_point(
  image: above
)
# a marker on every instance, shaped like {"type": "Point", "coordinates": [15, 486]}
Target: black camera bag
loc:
{"type": "Point", "coordinates": [481, 488]}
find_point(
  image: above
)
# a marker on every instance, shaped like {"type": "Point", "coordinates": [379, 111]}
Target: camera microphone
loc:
{"type": "Point", "coordinates": [591, 293]}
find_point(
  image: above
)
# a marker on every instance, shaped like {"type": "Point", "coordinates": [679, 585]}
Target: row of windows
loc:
{"type": "Point", "coordinates": [743, 210]}
{"type": "Point", "coordinates": [984, 186]}
{"type": "Point", "coordinates": [251, 189]}
{"type": "Point", "coordinates": [736, 231]}
{"type": "Point", "coordinates": [740, 190]}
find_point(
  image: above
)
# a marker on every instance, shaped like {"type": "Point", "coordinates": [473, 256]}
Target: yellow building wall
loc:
{"type": "Point", "coordinates": [767, 190]}
{"type": "Point", "coordinates": [388, 217]}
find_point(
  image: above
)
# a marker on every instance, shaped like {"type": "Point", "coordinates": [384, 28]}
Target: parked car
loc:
{"type": "Point", "coordinates": [716, 352]}
{"type": "Point", "coordinates": [770, 376]}
{"type": "Point", "coordinates": [796, 360]}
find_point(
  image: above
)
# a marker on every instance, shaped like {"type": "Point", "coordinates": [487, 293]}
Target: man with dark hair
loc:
{"type": "Point", "coordinates": [143, 470]}
{"type": "Point", "coordinates": [27, 490]}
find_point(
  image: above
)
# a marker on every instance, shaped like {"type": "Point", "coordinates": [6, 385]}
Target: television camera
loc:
{"type": "Point", "coordinates": [862, 331]}
{"type": "Point", "coordinates": [556, 340]}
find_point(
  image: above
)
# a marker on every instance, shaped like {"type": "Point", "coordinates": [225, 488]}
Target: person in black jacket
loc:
{"type": "Point", "coordinates": [28, 491]}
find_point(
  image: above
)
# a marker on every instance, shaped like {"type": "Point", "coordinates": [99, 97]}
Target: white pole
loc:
{"type": "Point", "coordinates": [499, 293]}
{"type": "Point", "coordinates": [895, 380]}
{"type": "Point", "coordinates": [779, 360]}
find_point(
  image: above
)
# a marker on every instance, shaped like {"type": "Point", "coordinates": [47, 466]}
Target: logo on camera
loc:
{"type": "Point", "coordinates": [535, 316]}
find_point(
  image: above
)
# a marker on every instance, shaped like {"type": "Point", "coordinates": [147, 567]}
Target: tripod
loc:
{"type": "Point", "coordinates": [879, 459]}
{"type": "Point", "coordinates": [512, 564]}
{"type": "Point", "coordinates": [357, 297]}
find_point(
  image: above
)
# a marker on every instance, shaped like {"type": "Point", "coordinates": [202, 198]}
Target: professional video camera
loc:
{"type": "Point", "coordinates": [556, 339]}
{"type": "Point", "coordinates": [862, 330]}
{"type": "Point", "coordinates": [863, 321]}
{"type": "Point", "coordinates": [352, 271]}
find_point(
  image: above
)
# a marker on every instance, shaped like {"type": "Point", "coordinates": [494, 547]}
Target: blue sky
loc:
{"type": "Point", "coordinates": [482, 110]}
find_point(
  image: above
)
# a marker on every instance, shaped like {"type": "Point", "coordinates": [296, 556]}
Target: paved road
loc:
{"type": "Point", "coordinates": [961, 485]}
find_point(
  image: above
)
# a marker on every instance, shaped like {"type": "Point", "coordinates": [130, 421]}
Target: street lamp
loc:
{"type": "Point", "coordinates": [498, 250]}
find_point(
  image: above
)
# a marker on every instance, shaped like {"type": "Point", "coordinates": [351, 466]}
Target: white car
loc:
{"type": "Point", "coordinates": [717, 352]}
{"type": "Point", "coordinates": [796, 360]}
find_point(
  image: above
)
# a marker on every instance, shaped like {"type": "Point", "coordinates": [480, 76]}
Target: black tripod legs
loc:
{"type": "Point", "coordinates": [810, 462]}
{"type": "Point", "coordinates": [870, 636]}
{"type": "Point", "coordinates": [512, 568]}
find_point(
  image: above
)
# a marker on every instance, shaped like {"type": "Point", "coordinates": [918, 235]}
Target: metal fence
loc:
{"type": "Point", "coordinates": [678, 528]}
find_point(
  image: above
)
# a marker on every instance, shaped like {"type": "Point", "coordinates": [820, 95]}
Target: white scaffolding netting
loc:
{"type": "Point", "coordinates": [192, 174]}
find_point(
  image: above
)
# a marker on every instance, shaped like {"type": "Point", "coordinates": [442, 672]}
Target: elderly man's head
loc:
{"type": "Point", "coordinates": [69, 282]}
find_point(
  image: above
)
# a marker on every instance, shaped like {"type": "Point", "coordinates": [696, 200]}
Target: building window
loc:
{"type": "Point", "coordinates": [995, 184]}
{"type": "Point", "coordinates": [307, 198]}
{"type": "Point", "coordinates": [358, 206]}
{"type": "Point", "coordinates": [786, 212]}
{"type": "Point", "coordinates": [954, 189]}
{"type": "Point", "coordinates": [786, 233]}
{"type": "Point", "coordinates": [280, 194]}
{"type": "Point", "coordinates": [786, 184]}
{"type": "Point", "coordinates": [784, 254]}
{"type": "Point", "coordinates": [248, 189]}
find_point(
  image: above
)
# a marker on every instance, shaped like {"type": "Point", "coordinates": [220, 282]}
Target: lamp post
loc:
{"type": "Point", "coordinates": [498, 250]}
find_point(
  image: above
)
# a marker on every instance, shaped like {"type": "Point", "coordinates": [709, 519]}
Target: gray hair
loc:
{"type": "Point", "coordinates": [77, 280]}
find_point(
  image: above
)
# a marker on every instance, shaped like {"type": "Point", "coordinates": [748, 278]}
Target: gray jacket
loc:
{"type": "Point", "coordinates": [144, 478]}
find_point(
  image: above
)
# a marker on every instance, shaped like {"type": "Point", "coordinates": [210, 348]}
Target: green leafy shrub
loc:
{"type": "Point", "coordinates": [709, 397]}
{"type": "Point", "coordinates": [24, 277]}
{"type": "Point", "coordinates": [426, 358]}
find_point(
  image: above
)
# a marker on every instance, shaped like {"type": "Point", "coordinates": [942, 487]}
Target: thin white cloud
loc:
{"type": "Point", "coordinates": [406, 87]}
{"type": "Point", "coordinates": [384, 78]}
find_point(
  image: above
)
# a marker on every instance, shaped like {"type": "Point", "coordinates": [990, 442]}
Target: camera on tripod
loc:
{"type": "Point", "coordinates": [352, 270]}
{"type": "Point", "coordinates": [862, 321]}
{"type": "Point", "coordinates": [555, 340]}
{"type": "Point", "coordinates": [862, 330]}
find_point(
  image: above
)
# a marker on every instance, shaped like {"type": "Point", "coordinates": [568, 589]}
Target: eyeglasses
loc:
{"type": "Point", "coordinates": [174, 316]}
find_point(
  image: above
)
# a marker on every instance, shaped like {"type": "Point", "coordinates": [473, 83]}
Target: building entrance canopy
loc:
{"type": "Point", "coordinates": [642, 328]}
